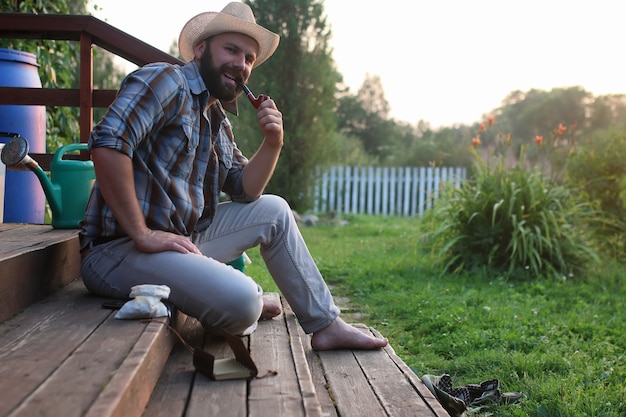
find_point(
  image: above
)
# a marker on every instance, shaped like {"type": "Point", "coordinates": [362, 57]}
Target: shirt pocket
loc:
{"type": "Point", "coordinates": [226, 160]}
{"type": "Point", "coordinates": [175, 150]}
{"type": "Point", "coordinates": [224, 151]}
{"type": "Point", "coordinates": [192, 140]}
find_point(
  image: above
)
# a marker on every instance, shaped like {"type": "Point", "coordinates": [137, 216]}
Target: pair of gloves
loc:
{"type": "Point", "coordinates": [146, 302]}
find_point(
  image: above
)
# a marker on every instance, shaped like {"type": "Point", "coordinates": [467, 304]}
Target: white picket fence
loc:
{"type": "Point", "coordinates": [393, 191]}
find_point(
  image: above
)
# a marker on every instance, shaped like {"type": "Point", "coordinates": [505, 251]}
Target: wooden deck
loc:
{"type": "Point", "coordinates": [67, 356]}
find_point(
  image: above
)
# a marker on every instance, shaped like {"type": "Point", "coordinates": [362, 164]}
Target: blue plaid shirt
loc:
{"type": "Point", "coordinates": [183, 152]}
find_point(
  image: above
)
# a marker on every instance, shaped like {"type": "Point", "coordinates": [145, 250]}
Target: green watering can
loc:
{"type": "Point", "coordinates": [69, 185]}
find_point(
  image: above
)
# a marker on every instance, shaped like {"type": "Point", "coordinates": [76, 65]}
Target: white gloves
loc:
{"type": "Point", "coordinates": [146, 302]}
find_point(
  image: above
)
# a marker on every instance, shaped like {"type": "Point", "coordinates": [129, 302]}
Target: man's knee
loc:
{"type": "Point", "coordinates": [274, 204]}
{"type": "Point", "coordinates": [237, 311]}
{"type": "Point", "coordinates": [247, 307]}
{"type": "Point", "coordinates": [277, 209]}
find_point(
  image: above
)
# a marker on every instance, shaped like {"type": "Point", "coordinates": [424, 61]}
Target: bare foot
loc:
{"type": "Point", "coordinates": [271, 309]}
{"type": "Point", "coordinates": [341, 335]}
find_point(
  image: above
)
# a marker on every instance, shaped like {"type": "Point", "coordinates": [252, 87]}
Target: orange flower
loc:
{"type": "Point", "coordinates": [476, 141]}
{"type": "Point", "coordinates": [490, 120]}
{"type": "Point", "coordinates": [561, 129]}
{"type": "Point", "coordinates": [482, 127]}
{"type": "Point", "coordinates": [539, 139]}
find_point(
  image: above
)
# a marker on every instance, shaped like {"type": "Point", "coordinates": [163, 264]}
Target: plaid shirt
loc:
{"type": "Point", "coordinates": [182, 156]}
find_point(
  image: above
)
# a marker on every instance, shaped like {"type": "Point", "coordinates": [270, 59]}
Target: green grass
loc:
{"type": "Point", "coordinates": [562, 343]}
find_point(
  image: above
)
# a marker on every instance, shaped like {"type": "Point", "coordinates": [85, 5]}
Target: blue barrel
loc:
{"type": "Point", "coordinates": [24, 199]}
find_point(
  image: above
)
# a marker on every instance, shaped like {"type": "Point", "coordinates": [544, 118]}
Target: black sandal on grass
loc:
{"type": "Point", "coordinates": [456, 399]}
{"type": "Point", "coordinates": [438, 386]}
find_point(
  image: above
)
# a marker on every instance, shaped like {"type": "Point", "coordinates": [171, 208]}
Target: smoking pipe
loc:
{"type": "Point", "coordinates": [256, 101]}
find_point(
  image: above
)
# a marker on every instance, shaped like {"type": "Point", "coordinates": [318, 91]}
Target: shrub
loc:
{"type": "Point", "coordinates": [598, 168]}
{"type": "Point", "coordinates": [510, 220]}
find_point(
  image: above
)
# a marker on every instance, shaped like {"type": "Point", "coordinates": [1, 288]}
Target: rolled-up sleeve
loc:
{"type": "Point", "coordinates": [140, 108]}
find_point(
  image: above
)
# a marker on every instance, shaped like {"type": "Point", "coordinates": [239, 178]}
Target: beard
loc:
{"type": "Point", "coordinates": [212, 77]}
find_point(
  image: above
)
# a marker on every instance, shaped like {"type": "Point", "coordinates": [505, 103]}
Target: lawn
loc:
{"type": "Point", "coordinates": [562, 343]}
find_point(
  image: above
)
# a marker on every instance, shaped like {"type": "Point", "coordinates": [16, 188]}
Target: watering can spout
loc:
{"type": "Point", "coordinates": [69, 185]}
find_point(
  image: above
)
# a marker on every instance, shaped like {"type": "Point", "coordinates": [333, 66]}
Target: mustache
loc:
{"type": "Point", "coordinates": [233, 74]}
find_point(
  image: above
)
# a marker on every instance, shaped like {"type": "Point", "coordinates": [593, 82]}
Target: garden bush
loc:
{"type": "Point", "coordinates": [510, 220]}
{"type": "Point", "coordinates": [597, 167]}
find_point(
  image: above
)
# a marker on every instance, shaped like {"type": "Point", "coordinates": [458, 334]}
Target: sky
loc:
{"type": "Point", "coordinates": [444, 62]}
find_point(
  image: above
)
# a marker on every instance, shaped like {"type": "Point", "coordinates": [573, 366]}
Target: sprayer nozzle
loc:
{"type": "Point", "coordinates": [14, 151]}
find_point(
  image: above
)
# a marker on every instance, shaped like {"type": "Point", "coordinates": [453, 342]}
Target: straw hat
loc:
{"type": "Point", "coordinates": [235, 17]}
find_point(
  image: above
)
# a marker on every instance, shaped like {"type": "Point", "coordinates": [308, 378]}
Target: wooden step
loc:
{"type": "Point", "coordinates": [68, 356]}
{"type": "Point", "coordinates": [65, 355]}
{"type": "Point", "coordinates": [35, 261]}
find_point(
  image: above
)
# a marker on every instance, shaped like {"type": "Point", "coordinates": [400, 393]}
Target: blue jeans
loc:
{"type": "Point", "coordinates": [203, 287]}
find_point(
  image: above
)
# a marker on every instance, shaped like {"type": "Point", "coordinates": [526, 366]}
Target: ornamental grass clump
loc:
{"type": "Point", "coordinates": [510, 220]}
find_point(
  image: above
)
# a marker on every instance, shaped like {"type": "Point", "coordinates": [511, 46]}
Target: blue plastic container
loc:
{"type": "Point", "coordinates": [24, 199]}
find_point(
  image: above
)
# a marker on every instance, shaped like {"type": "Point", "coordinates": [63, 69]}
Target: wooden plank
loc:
{"type": "Point", "coordinates": [320, 383]}
{"type": "Point", "coordinates": [394, 392]}
{"type": "Point", "coordinates": [349, 386]}
{"type": "Point", "coordinates": [6, 227]}
{"type": "Point", "coordinates": [171, 394]}
{"type": "Point", "coordinates": [275, 395]}
{"type": "Point", "coordinates": [217, 398]}
{"type": "Point", "coordinates": [421, 389]}
{"type": "Point", "coordinates": [79, 378]}
{"type": "Point", "coordinates": [312, 406]}
{"type": "Point", "coordinates": [128, 392]}
{"type": "Point", "coordinates": [70, 27]}
{"type": "Point", "coordinates": [85, 81]}
{"type": "Point", "coordinates": [19, 238]}
{"type": "Point", "coordinates": [35, 342]}
{"type": "Point", "coordinates": [376, 383]}
{"type": "Point", "coordinates": [61, 97]}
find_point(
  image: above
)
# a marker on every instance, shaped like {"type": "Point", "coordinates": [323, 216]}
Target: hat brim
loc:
{"type": "Point", "coordinates": [209, 24]}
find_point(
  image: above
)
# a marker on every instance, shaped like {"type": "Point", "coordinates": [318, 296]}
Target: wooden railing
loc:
{"type": "Point", "coordinates": [88, 31]}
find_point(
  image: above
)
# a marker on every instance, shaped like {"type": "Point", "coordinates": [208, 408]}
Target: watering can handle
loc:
{"type": "Point", "coordinates": [58, 155]}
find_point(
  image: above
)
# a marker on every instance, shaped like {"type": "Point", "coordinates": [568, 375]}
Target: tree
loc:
{"type": "Point", "coordinates": [371, 95]}
{"type": "Point", "coordinates": [608, 111]}
{"type": "Point", "coordinates": [302, 79]}
{"type": "Point", "coordinates": [443, 147]}
{"type": "Point", "coordinates": [366, 116]}
{"type": "Point", "coordinates": [59, 66]}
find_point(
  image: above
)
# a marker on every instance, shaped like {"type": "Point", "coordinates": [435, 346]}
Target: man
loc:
{"type": "Point", "coordinates": [163, 153]}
